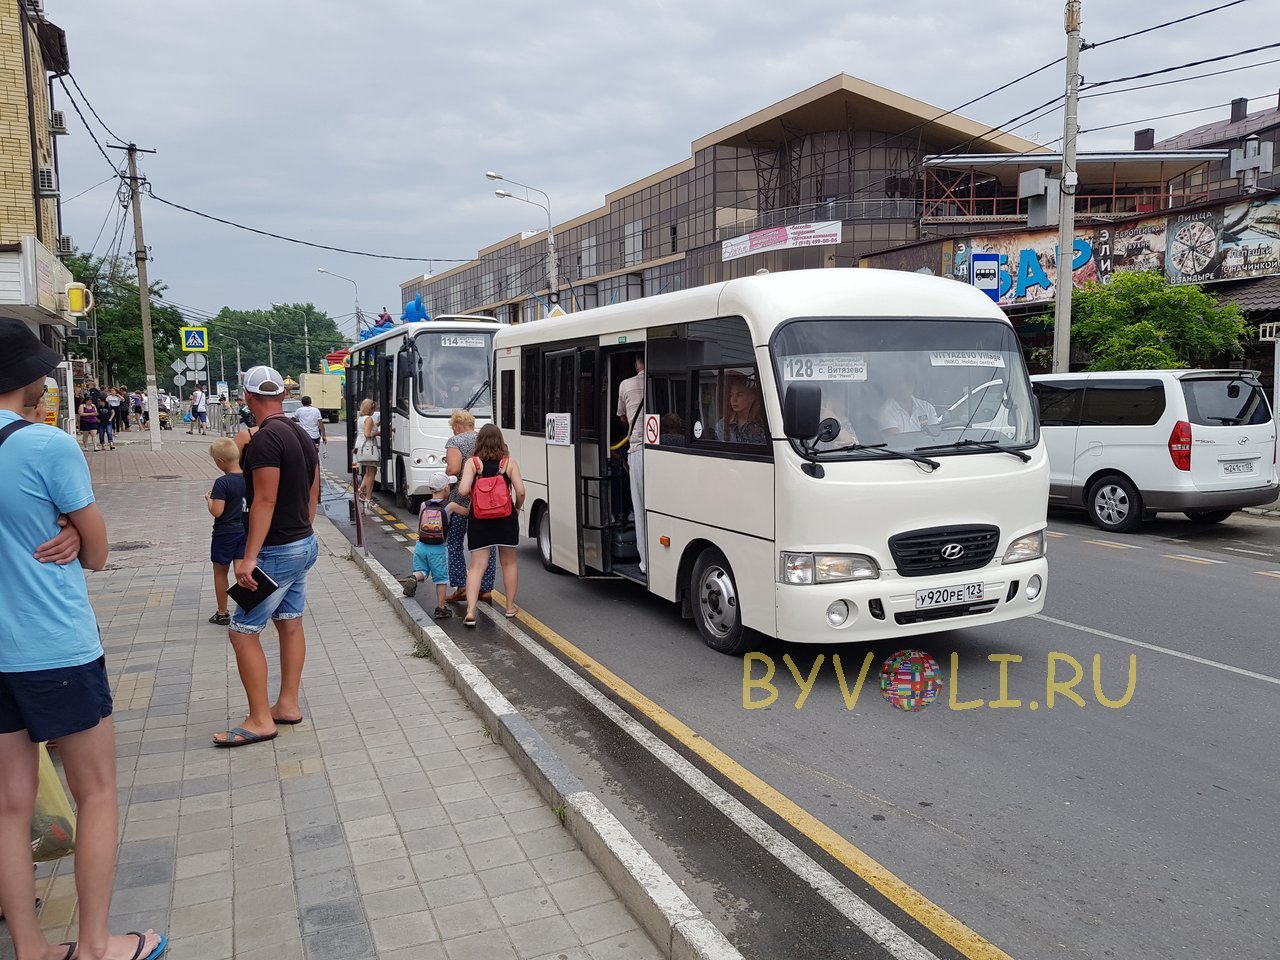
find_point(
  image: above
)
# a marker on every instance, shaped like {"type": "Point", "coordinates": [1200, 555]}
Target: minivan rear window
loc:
{"type": "Point", "coordinates": [1123, 403]}
{"type": "Point", "coordinates": [1225, 401]}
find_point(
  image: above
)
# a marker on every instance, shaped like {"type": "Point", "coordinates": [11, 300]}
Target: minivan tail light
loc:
{"type": "Point", "coordinates": [1180, 445]}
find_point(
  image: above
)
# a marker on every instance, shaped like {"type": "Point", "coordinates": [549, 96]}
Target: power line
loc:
{"type": "Point", "coordinates": [90, 189]}
{"type": "Point", "coordinates": [1182, 66]}
{"type": "Point", "coordinates": [1165, 116]}
{"type": "Point", "coordinates": [115, 135]}
{"type": "Point", "coordinates": [1160, 26]}
{"type": "Point", "coordinates": [93, 136]}
{"type": "Point", "coordinates": [1165, 83]}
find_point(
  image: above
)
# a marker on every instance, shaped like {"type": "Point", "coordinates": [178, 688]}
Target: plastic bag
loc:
{"type": "Point", "coordinates": [53, 828]}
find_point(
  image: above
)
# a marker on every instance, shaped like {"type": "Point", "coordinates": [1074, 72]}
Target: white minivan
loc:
{"type": "Point", "coordinates": [1129, 444]}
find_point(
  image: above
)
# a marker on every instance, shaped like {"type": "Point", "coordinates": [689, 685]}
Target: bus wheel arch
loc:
{"type": "Point", "coordinates": [684, 574]}
{"type": "Point", "coordinates": [402, 484]}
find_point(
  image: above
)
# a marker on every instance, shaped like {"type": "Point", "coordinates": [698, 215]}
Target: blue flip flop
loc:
{"type": "Point", "coordinates": [142, 942]}
{"type": "Point", "coordinates": [243, 738]}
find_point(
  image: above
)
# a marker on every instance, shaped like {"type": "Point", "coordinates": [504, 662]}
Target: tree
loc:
{"type": "Point", "coordinates": [1139, 321]}
{"type": "Point", "coordinates": [287, 341]}
{"type": "Point", "coordinates": [117, 315]}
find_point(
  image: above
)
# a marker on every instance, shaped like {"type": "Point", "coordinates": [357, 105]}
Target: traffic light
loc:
{"type": "Point", "coordinates": [79, 299]}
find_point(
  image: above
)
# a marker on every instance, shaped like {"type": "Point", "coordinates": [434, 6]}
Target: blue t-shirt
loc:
{"type": "Point", "coordinates": [229, 487]}
{"type": "Point", "coordinates": [46, 621]}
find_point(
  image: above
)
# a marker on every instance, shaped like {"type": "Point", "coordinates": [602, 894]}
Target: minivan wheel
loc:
{"type": "Point", "coordinates": [1208, 516]}
{"type": "Point", "coordinates": [713, 595]}
{"type": "Point", "coordinates": [1114, 505]}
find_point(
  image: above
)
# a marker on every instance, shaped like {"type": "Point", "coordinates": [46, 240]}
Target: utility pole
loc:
{"type": "Point", "coordinates": [1067, 206]}
{"type": "Point", "coordinates": [144, 294]}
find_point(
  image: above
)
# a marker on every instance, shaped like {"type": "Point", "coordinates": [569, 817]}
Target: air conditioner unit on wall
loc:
{"type": "Point", "coordinates": [66, 245]}
{"type": "Point", "coordinates": [58, 122]}
{"type": "Point", "coordinates": [47, 182]}
{"type": "Point", "coordinates": [35, 8]}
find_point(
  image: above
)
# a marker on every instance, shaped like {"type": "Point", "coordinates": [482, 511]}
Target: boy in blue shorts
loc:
{"type": "Point", "coordinates": [226, 505]}
{"type": "Point", "coordinates": [431, 556]}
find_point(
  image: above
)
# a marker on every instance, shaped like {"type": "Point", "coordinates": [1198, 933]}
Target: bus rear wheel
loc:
{"type": "Point", "coordinates": [544, 540]}
{"type": "Point", "coordinates": [713, 595]}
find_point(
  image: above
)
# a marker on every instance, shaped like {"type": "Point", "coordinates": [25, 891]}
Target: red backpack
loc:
{"type": "Point", "coordinates": [490, 496]}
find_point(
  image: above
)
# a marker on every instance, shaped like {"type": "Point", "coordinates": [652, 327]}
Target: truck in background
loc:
{"type": "Point", "coordinates": [325, 391]}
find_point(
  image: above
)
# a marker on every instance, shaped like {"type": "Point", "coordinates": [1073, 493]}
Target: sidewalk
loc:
{"type": "Point", "coordinates": [388, 824]}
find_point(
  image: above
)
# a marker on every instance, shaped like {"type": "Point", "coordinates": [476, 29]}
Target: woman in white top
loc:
{"type": "Point", "coordinates": [366, 453]}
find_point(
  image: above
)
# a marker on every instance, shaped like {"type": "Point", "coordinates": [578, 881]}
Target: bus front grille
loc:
{"type": "Point", "coordinates": [920, 553]}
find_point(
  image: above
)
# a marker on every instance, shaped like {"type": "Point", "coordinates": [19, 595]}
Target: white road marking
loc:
{"type": "Point", "coordinates": [880, 928]}
{"type": "Point", "coordinates": [1055, 533]}
{"type": "Point", "coordinates": [396, 536]}
{"type": "Point", "coordinates": [1186, 558]}
{"type": "Point", "coordinates": [1268, 573]}
{"type": "Point", "coordinates": [1256, 553]}
{"type": "Point", "coordinates": [1113, 545]}
{"type": "Point", "coordinates": [1165, 650]}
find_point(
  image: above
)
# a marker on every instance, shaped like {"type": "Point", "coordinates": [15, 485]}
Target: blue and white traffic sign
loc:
{"type": "Point", "coordinates": [195, 339]}
{"type": "Point", "coordinates": [984, 273]}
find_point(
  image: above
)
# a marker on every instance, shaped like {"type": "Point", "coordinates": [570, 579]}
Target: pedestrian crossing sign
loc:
{"type": "Point", "coordinates": [195, 339]}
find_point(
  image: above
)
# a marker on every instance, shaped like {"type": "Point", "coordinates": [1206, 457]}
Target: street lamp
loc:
{"type": "Point", "coordinates": [552, 271]}
{"type": "Point", "coordinates": [239, 372]}
{"type": "Point", "coordinates": [306, 334]}
{"type": "Point", "coordinates": [359, 315]}
{"type": "Point", "coordinates": [271, 347]}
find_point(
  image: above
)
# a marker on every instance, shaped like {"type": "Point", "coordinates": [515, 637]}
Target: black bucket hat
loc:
{"type": "Point", "coordinates": [23, 358]}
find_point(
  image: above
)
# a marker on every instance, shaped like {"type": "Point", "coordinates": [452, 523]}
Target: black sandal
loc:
{"type": "Point", "coordinates": [221, 619]}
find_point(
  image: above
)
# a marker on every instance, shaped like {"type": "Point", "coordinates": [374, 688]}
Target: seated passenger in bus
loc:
{"type": "Point", "coordinates": [903, 411]}
{"type": "Point", "coordinates": [745, 423]}
{"type": "Point", "coordinates": [672, 434]}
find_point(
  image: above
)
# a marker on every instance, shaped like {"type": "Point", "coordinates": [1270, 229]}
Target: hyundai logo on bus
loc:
{"type": "Point", "coordinates": [952, 551]}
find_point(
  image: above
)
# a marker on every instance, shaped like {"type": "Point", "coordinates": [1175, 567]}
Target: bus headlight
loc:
{"type": "Point", "coordinates": [801, 568]}
{"type": "Point", "coordinates": [1030, 547]}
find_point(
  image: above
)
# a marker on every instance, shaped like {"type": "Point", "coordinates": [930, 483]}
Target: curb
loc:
{"type": "Point", "coordinates": [662, 908]}
{"type": "Point", "coordinates": [1267, 512]}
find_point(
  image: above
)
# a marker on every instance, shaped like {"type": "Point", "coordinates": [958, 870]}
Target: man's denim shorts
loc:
{"type": "Point", "coordinates": [286, 564]}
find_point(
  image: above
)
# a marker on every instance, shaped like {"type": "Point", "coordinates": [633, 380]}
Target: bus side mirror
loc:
{"type": "Point", "coordinates": [801, 411]}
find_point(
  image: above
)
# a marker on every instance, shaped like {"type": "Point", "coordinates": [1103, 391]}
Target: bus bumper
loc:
{"type": "Point", "coordinates": [886, 608]}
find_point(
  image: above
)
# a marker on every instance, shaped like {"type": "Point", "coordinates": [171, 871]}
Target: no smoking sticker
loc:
{"type": "Point", "coordinates": [651, 433]}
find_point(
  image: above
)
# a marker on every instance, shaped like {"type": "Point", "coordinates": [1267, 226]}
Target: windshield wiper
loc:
{"type": "Point", "coordinates": [476, 396]}
{"type": "Point", "coordinates": [884, 449]}
{"type": "Point", "coordinates": [1229, 421]}
{"type": "Point", "coordinates": [982, 445]}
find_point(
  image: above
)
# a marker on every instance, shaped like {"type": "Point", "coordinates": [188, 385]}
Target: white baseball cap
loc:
{"type": "Point", "coordinates": [264, 381]}
{"type": "Point", "coordinates": [440, 481]}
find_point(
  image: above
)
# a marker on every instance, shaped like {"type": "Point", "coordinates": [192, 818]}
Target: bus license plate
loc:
{"type": "Point", "coordinates": [949, 596]}
{"type": "Point", "coordinates": [1239, 466]}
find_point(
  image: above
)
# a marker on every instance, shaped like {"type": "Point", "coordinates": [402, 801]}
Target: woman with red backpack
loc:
{"type": "Point", "coordinates": [492, 479]}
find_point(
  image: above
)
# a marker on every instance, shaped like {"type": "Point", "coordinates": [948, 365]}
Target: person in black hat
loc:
{"type": "Point", "coordinates": [53, 677]}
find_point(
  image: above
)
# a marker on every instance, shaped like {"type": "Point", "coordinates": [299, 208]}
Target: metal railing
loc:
{"type": "Point", "coordinates": [883, 209]}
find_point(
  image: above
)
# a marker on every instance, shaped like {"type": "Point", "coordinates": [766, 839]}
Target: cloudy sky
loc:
{"type": "Point", "coordinates": [369, 125]}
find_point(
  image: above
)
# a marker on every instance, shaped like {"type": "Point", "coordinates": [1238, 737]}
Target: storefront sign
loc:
{"type": "Point", "coordinates": [781, 238]}
{"type": "Point", "coordinates": [1234, 242]}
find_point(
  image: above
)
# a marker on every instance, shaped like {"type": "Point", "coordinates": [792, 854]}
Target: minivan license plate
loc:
{"type": "Point", "coordinates": [1238, 466]}
{"type": "Point", "coordinates": [949, 596]}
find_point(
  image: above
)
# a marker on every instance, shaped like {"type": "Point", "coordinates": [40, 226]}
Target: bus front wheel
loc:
{"type": "Point", "coordinates": [402, 486]}
{"type": "Point", "coordinates": [714, 598]}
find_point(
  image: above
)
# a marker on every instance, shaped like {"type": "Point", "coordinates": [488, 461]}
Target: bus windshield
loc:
{"type": "Point", "coordinates": [909, 384]}
{"type": "Point", "coordinates": [453, 372]}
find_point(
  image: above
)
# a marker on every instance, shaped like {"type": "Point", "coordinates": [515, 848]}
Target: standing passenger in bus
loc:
{"type": "Point", "coordinates": [458, 449]}
{"type": "Point", "coordinates": [630, 405]}
{"type": "Point", "coordinates": [492, 460]}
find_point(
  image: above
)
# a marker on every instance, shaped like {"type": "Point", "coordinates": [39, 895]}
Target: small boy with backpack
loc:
{"type": "Point", "coordinates": [431, 556]}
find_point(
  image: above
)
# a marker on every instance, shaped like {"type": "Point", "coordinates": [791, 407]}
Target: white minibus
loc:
{"type": "Point", "coordinates": [829, 455]}
{"type": "Point", "coordinates": [417, 374]}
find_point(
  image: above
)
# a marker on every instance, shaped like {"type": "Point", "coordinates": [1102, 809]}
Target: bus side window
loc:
{"type": "Point", "coordinates": [404, 381]}
{"type": "Point", "coordinates": [531, 416]}
{"type": "Point", "coordinates": [507, 387]}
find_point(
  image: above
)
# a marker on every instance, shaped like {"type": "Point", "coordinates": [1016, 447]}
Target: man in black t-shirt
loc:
{"type": "Point", "coordinates": [282, 489]}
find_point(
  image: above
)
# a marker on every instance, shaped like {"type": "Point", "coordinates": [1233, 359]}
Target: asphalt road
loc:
{"type": "Point", "coordinates": [1145, 830]}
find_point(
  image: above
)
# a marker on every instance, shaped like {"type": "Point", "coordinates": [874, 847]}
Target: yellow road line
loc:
{"type": "Point", "coordinates": [1055, 533]}
{"type": "Point", "coordinates": [915, 904]}
{"type": "Point", "coordinates": [401, 526]}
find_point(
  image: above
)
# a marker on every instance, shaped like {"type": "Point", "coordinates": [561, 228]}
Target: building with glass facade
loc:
{"type": "Point", "coordinates": [819, 179]}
